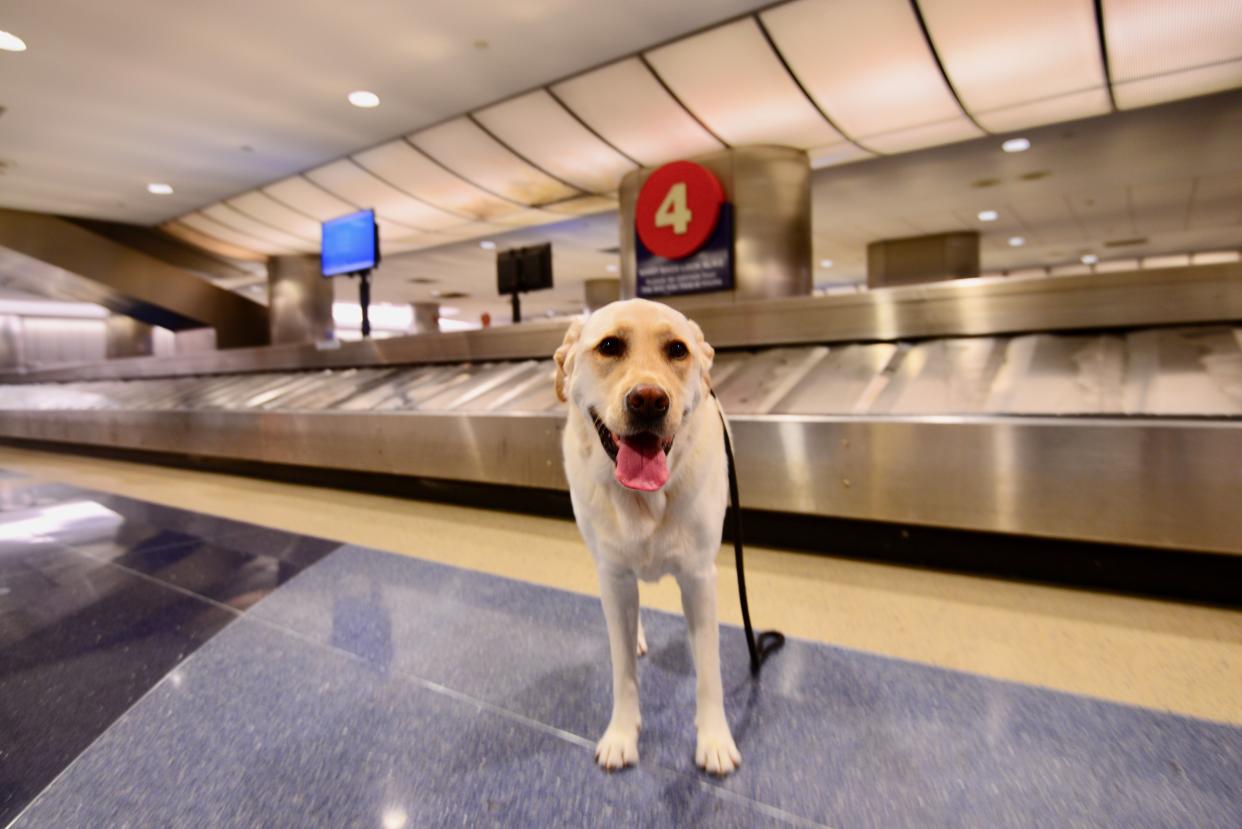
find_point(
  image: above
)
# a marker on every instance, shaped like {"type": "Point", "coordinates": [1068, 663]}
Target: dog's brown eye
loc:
{"type": "Point", "coordinates": [676, 350]}
{"type": "Point", "coordinates": [611, 347]}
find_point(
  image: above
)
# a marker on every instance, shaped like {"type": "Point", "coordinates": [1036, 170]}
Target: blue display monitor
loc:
{"type": "Point", "coordinates": [350, 244]}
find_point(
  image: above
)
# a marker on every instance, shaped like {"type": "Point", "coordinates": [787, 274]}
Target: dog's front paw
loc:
{"type": "Point", "coordinates": [716, 753]}
{"type": "Point", "coordinates": [618, 748]}
{"type": "Point", "coordinates": [642, 641]}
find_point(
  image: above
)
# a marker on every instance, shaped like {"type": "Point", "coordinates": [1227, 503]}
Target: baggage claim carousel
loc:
{"type": "Point", "coordinates": [1102, 408]}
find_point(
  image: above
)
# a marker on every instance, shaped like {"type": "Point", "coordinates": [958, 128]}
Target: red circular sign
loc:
{"type": "Point", "coordinates": [677, 209]}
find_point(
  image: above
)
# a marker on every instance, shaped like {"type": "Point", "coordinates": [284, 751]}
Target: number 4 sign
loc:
{"type": "Point", "coordinates": [677, 209]}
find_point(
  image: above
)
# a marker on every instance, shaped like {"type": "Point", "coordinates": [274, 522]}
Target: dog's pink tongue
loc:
{"type": "Point", "coordinates": [641, 462]}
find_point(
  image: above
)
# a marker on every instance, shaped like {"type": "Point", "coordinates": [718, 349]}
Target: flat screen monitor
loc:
{"type": "Point", "coordinates": [350, 244]}
{"type": "Point", "coordinates": [524, 269]}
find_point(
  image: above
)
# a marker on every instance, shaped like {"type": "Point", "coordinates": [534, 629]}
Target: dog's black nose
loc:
{"type": "Point", "coordinates": [647, 402]}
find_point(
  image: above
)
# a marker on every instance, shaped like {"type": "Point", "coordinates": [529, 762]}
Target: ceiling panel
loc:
{"type": "Point", "coordinates": [1017, 65]}
{"type": "Point", "coordinates": [927, 135]}
{"type": "Point", "coordinates": [1085, 104]}
{"type": "Point", "coordinates": [732, 80]}
{"type": "Point", "coordinates": [1040, 213]}
{"type": "Point", "coordinates": [1160, 207]}
{"type": "Point", "coordinates": [941, 222]}
{"type": "Point", "coordinates": [625, 104]}
{"type": "Point", "coordinates": [1159, 50]}
{"type": "Point", "coordinates": [1104, 214]}
{"type": "Point", "coordinates": [1071, 269]}
{"type": "Point", "coordinates": [1217, 201]}
{"type": "Point", "coordinates": [1007, 222]}
{"type": "Point", "coordinates": [530, 217]}
{"type": "Point", "coordinates": [306, 197]}
{"type": "Point", "coordinates": [393, 242]}
{"type": "Point", "coordinates": [412, 171]}
{"type": "Point", "coordinates": [263, 207]}
{"type": "Point", "coordinates": [1115, 265]}
{"type": "Point", "coordinates": [231, 217]}
{"type": "Point", "coordinates": [471, 153]}
{"type": "Point", "coordinates": [210, 243]}
{"type": "Point", "coordinates": [1174, 260]}
{"type": "Point", "coordinates": [474, 230]}
{"type": "Point", "coordinates": [842, 152]}
{"type": "Point", "coordinates": [209, 226]}
{"type": "Point", "coordinates": [351, 182]}
{"type": "Point", "coordinates": [1216, 257]}
{"type": "Point", "coordinates": [539, 128]}
{"type": "Point", "coordinates": [1185, 84]}
{"type": "Point", "coordinates": [867, 64]}
{"type": "Point", "coordinates": [583, 206]}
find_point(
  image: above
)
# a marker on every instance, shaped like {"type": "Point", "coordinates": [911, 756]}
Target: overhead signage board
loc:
{"type": "Point", "coordinates": [349, 244]}
{"type": "Point", "coordinates": [683, 233]}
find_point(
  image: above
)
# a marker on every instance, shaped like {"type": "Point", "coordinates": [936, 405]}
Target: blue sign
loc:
{"type": "Point", "coordinates": [349, 244]}
{"type": "Point", "coordinates": [710, 268]}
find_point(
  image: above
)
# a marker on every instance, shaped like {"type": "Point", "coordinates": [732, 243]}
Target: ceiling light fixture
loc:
{"type": "Point", "coordinates": [1016, 145]}
{"type": "Point", "coordinates": [159, 188]}
{"type": "Point", "coordinates": [10, 42]}
{"type": "Point", "coordinates": [610, 268]}
{"type": "Point", "coordinates": [487, 244]}
{"type": "Point", "coordinates": [987, 215]}
{"type": "Point", "coordinates": [825, 263]}
{"type": "Point", "coordinates": [1016, 241]}
{"type": "Point", "coordinates": [1090, 259]}
{"type": "Point", "coordinates": [364, 99]}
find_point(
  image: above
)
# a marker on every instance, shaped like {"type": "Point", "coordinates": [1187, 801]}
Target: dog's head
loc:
{"type": "Point", "coordinates": [637, 369]}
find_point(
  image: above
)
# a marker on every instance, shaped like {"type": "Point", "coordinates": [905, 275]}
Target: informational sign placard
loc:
{"type": "Point", "coordinates": [684, 233]}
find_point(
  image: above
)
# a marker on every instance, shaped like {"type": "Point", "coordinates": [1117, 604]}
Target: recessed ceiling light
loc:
{"type": "Point", "coordinates": [1016, 145]}
{"type": "Point", "coordinates": [987, 215]}
{"type": "Point", "coordinates": [1016, 241]}
{"type": "Point", "coordinates": [1090, 259]}
{"type": "Point", "coordinates": [610, 268]}
{"type": "Point", "coordinates": [364, 99]}
{"type": "Point", "coordinates": [487, 244]}
{"type": "Point", "coordinates": [10, 42]}
{"type": "Point", "coordinates": [825, 263]}
{"type": "Point", "coordinates": [159, 188]}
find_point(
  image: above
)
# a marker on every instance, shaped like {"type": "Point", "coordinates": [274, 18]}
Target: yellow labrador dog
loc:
{"type": "Point", "coordinates": [644, 455]}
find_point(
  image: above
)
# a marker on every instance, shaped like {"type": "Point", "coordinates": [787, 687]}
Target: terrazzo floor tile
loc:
{"type": "Point", "coordinates": [18, 494]}
{"type": "Point", "coordinates": [263, 729]}
{"type": "Point", "coordinates": [838, 737]}
{"type": "Point", "coordinates": [290, 548]}
{"type": "Point", "coordinates": [80, 641]}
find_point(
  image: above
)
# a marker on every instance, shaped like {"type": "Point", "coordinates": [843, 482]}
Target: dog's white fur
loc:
{"type": "Point", "coordinates": [632, 534]}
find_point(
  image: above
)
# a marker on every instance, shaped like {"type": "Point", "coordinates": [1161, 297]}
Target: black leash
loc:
{"type": "Point", "coordinates": [769, 641]}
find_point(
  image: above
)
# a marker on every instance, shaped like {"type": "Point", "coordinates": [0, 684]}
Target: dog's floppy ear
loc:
{"type": "Point", "coordinates": [705, 350]}
{"type": "Point", "coordinates": [565, 358]}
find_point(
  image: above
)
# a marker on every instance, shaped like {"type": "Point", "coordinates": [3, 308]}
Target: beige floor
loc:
{"type": "Point", "coordinates": [1162, 655]}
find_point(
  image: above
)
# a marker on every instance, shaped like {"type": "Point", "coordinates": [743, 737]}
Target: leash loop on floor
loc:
{"type": "Point", "coordinates": [768, 641]}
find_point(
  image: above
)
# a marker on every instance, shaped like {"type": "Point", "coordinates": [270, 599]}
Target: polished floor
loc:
{"type": "Point", "coordinates": [186, 649]}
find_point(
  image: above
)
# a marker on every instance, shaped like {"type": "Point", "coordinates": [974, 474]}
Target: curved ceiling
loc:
{"type": "Point", "coordinates": [842, 79]}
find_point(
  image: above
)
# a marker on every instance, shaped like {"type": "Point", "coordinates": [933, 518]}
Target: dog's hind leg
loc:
{"type": "Point", "coordinates": [619, 745]}
{"type": "Point", "coordinates": [715, 750]}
